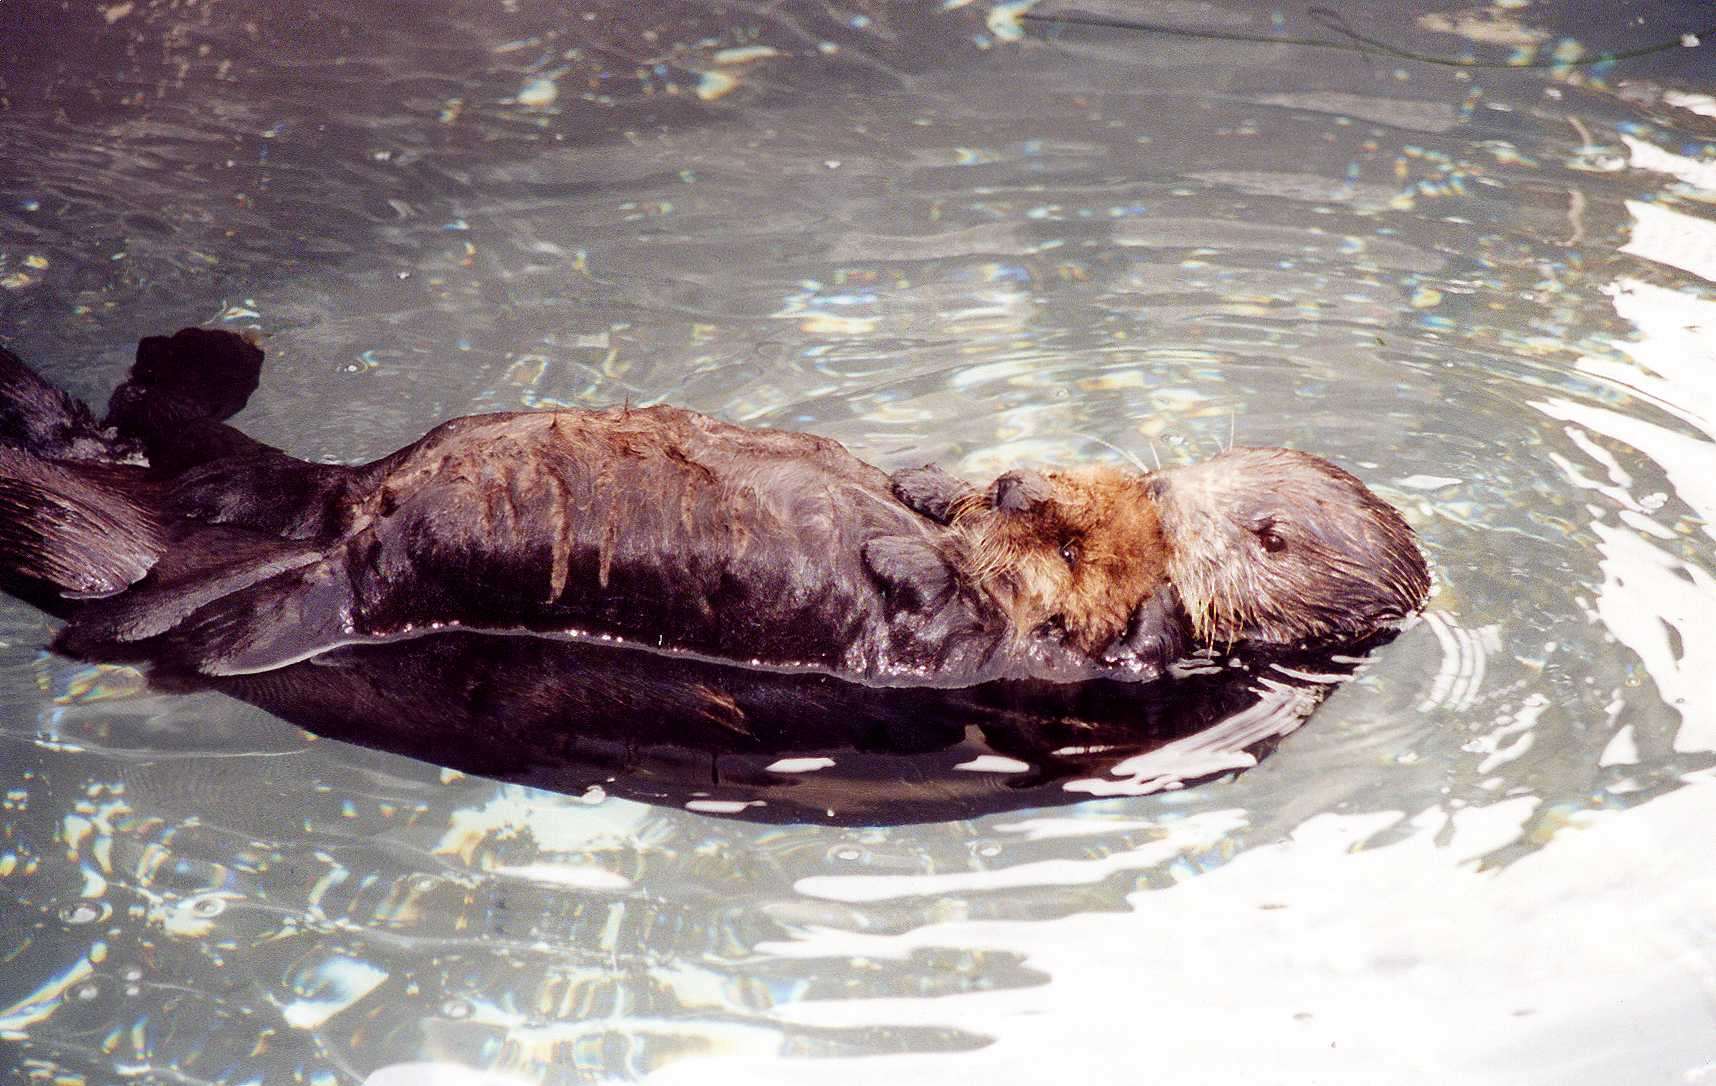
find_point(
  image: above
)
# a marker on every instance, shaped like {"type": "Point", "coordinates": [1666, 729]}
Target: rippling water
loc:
{"type": "Point", "coordinates": [932, 232]}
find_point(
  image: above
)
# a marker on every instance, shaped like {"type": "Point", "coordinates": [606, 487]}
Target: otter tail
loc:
{"type": "Point", "coordinates": [40, 419]}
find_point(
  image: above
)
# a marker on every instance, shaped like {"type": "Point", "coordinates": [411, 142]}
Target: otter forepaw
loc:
{"type": "Point", "coordinates": [1155, 638]}
{"type": "Point", "coordinates": [930, 490]}
{"type": "Point", "coordinates": [912, 573]}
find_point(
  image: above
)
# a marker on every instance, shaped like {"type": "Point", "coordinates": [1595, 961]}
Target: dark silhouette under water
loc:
{"type": "Point", "coordinates": [781, 746]}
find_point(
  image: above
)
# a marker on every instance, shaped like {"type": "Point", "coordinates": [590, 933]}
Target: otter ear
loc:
{"type": "Point", "coordinates": [1156, 637]}
{"type": "Point", "coordinates": [912, 573]}
{"type": "Point", "coordinates": [930, 490]}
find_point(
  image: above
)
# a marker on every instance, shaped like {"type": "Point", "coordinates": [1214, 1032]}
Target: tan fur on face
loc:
{"type": "Point", "coordinates": [1104, 514]}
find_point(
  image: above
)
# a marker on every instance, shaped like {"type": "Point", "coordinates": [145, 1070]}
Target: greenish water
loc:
{"type": "Point", "coordinates": [930, 232]}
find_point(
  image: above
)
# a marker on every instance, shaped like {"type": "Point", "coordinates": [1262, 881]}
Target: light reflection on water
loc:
{"type": "Point", "coordinates": [1487, 291]}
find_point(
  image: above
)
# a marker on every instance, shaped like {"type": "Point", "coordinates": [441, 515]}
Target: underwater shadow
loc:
{"type": "Point", "coordinates": [781, 746]}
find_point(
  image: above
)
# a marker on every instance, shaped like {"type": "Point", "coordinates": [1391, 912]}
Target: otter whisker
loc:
{"type": "Point", "coordinates": [1137, 463]}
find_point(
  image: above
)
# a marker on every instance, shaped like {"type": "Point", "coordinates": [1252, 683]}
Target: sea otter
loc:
{"type": "Point", "coordinates": [171, 537]}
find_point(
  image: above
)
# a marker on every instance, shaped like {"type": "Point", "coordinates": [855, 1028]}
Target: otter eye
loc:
{"type": "Point", "coordinates": [1269, 538]}
{"type": "Point", "coordinates": [1069, 553]}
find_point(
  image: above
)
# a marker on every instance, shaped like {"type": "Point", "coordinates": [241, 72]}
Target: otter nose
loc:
{"type": "Point", "coordinates": [1019, 491]}
{"type": "Point", "coordinates": [1156, 487]}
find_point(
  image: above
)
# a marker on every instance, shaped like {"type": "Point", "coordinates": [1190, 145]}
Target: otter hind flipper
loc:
{"type": "Point", "coordinates": [196, 373]}
{"type": "Point", "coordinates": [63, 525]}
{"type": "Point", "coordinates": [280, 621]}
{"type": "Point", "coordinates": [930, 490]}
{"type": "Point", "coordinates": [198, 568]}
{"type": "Point", "coordinates": [178, 394]}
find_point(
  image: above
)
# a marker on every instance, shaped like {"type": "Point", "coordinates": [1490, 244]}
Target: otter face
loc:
{"type": "Point", "coordinates": [1074, 552]}
{"type": "Point", "coordinates": [1283, 547]}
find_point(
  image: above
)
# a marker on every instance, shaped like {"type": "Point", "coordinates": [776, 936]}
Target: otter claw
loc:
{"type": "Point", "coordinates": [1155, 638]}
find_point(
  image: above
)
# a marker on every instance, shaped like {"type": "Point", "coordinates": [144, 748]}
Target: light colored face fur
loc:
{"type": "Point", "coordinates": [1283, 547]}
{"type": "Point", "coordinates": [1080, 549]}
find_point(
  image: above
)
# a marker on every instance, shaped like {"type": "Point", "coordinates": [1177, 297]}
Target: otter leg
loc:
{"type": "Point", "coordinates": [264, 490]}
{"type": "Point", "coordinates": [175, 402]}
{"type": "Point", "coordinates": [196, 373]}
{"type": "Point", "coordinates": [930, 490]}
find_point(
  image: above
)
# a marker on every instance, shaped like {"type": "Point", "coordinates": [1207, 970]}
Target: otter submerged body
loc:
{"type": "Point", "coordinates": [769, 576]}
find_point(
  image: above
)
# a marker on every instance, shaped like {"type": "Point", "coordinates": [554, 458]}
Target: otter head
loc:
{"type": "Point", "coordinates": [1282, 547]}
{"type": "Point", "coordinates": [1075, 552]}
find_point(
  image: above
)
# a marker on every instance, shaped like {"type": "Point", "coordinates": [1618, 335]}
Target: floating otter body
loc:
{"type": "Point", "coordinates": [662, 529]}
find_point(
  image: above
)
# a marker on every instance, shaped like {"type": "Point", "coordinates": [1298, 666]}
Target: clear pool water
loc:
{"type": "Point", "coordinates": [932, 231]}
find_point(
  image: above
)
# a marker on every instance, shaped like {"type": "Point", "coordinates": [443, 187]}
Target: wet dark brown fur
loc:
{"type": "Point", "coordinates": [665, 529]}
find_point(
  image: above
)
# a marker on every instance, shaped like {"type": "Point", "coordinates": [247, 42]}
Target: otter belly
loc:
{"type": "Point", "coordinates": [656, 525]}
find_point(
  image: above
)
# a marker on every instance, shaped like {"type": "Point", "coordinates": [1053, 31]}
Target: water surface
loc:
{"type": "Point", "coordinates": [932, 232]}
